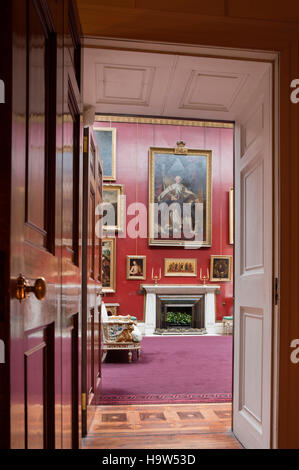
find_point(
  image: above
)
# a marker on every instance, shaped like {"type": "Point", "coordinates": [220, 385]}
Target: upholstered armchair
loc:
{"type": "Point", "coordinates": [120, 332]}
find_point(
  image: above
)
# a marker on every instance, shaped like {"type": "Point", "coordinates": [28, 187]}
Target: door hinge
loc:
{"type": "Point", "coordinates": [276, 291]}
{"type": "Point", "coordinates": [83, 401]}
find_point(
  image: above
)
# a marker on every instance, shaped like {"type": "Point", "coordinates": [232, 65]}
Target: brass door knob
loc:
{"type": "Point", "coordinates": [23, 289]}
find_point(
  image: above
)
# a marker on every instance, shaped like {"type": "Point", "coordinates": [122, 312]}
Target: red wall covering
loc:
{"type": "Point", "coordinates": [132, 146]}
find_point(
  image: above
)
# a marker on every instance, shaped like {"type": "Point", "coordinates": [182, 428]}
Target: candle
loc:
{"type": "Point", "coordinates": [200, 273]}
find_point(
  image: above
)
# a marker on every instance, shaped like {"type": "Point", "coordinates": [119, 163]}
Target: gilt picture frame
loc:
{"type": "Point", "coordinates": [113, 199]}
{"type": "Point", "coordinates": [106, 142]}
{"type": "Point", "coordinates": [136, 267]}
{"type": "Point", "coordinates": [184, 177]}
{"type": "Point", "coordinates": [109, 265]}
{"type": "Point", "coordinates": [221, 268]}
{"type": "Point", "coordinates": [180, 267]}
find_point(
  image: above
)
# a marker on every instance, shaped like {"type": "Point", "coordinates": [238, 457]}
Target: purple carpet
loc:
{"type": "Point", "coordinates": [193, 369]}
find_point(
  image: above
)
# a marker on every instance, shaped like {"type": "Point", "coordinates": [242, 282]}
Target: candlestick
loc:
{"type": "Point", "coordinates": [156, 277]}
{"type": "Point", "coordinates": [204, 278]}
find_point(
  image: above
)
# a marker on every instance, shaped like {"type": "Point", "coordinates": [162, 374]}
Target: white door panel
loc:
{"type": "Point", "coordinates": [253, 269]}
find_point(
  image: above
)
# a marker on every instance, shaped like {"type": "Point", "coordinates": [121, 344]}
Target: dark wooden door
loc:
{"type": "Point", "coordinates": [91, 275]}
{"type": "Point", "coordinates": [33, 231]}
{"type": "Point", "coordinates": [44, 333]}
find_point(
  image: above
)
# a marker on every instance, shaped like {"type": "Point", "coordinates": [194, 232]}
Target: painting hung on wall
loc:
{"type": "Point", "coordinates": [180, 187]}
{"type": "Point", "coordinates": [108, 264]}
{"type": "Point", "coordinates": [113, 207]}
{"type": "Point", "coordinates": [106, 142]}
{"type": "Point", "coordinates": [136, 267]}
{"type": "Point", "coordinates": [180, 267]}
{"type": "Point", "coordinates": [221, 267]}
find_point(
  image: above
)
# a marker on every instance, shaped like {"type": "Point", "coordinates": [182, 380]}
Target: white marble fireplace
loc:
{"type": "Point", "coordinates": [152, 290]}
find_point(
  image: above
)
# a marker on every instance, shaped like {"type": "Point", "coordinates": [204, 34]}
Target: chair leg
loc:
{"type": "Point", "coordinates": [130, 355]}
{"type": "Point", "coordinates": [138, 353]}
{"type": "Point", "coordinates": [104, 354]}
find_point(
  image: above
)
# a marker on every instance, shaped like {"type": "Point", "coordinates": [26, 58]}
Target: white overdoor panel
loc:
{"type": "Point", "coordinates": [253, 269]}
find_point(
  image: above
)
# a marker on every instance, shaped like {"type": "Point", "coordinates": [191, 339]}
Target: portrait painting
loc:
{"type": "Point", "coordinates": [180, 182]}
{"type": "Point", "coordinates": [221, 267]}
{"type": "Point", "coordinates": [180, 267]}
{"type": "Point", "coordinates": [106, 142]}
{"type": "Point", "coordinates": [113, 207]}
{"type": "Point", "coordinates": [136, 267]}
{"type": "Point", "coordinates": [108, 264]}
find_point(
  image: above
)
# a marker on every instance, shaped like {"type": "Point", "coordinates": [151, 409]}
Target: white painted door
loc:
{"type": "Point", "coordinates": [253, 269]}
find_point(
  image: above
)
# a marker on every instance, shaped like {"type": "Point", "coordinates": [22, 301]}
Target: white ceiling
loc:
{"type": "Point", "coordinates": [155, 84]}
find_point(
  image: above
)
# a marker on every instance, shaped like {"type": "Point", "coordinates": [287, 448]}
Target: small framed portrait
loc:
{"type": "Point", "coordinates": [113, 207]}
{"type": "Point", "coordinates": [180, 267]}
{"type": "Point", "coordinates": [109, 265]}
{"type": "Point", "coordinates": [221, 268]}
{"type": "Point", "coordinates": [136, 267]}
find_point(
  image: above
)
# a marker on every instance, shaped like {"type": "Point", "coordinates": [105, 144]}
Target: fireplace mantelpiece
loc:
{"type": "Point", "coordinates": [151, 291]}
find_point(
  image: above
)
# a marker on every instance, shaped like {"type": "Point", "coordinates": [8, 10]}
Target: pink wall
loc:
{"type": "Point", "coordinates": [133, 142]}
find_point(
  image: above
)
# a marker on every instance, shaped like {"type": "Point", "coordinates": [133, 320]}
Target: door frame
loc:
{"type": "Point", "coordinates": [261, 33]}
{"type": "Point", "coordinates": [236, 54]}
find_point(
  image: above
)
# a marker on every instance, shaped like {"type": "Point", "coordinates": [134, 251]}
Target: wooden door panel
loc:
{"type": "Point", "coordinates": [40, 119]}
{"type": "Point", "coordinates": [91, 272]}
{"type": "Point", "coordinates": [39, 388]}
{"type": "Point", "coordinates": [45, 336]}
{"type": "Point", "coordinates": [34, 392]}
{"type": "Point", "coordinates": [32, 321]}
{"type": "Point", "coordinates": [70, 384]}
{"type": "Point", "coordinates": [99, 342]}
{"type": "Point", "coordinates": [71, 239]}
{"type": "Point", "coordinates": [92, 352]}
{"type": "Point", "coordinates": [75, 381]}
{"type": "Point", "coordinates": [253, 270]}
{"type": "Point", "coordinates": [91, 233]}
{"type": "Point", "coordinates": [67, 388]}
{"type": "Point", "coordinates": [36, 127]}
{"type": "Point", "coordinates": [71, 170]}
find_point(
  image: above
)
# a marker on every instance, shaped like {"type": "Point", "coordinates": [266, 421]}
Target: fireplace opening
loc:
{"type": "Point", "coordinates": [181, 314]}
{"type": "Point", "coordinates": [178, 317]}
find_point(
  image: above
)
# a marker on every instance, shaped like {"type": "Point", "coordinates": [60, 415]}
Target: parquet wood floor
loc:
{"type": "Point", "coordinates": [196, 426]}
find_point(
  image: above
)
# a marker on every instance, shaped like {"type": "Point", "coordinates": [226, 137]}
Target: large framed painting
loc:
{"type": "Point", "coordinates": [180, 267]}
{"type": "Point", "coordinates": [180, 197]}
{"type": "Point", "coordinates": [106, 142]}
{"type": "Point", "coordinates": [113, 207]}
{"type": "Point", "coordinates": [221, 268]}
{"type": "Point", "coordinates": [136, 267]}
{"type": "Point", "coordinates": [108, 264]}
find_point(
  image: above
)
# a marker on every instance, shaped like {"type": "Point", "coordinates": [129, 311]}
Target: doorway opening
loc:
{"type": "Point", "coordinates": [144, 89]}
